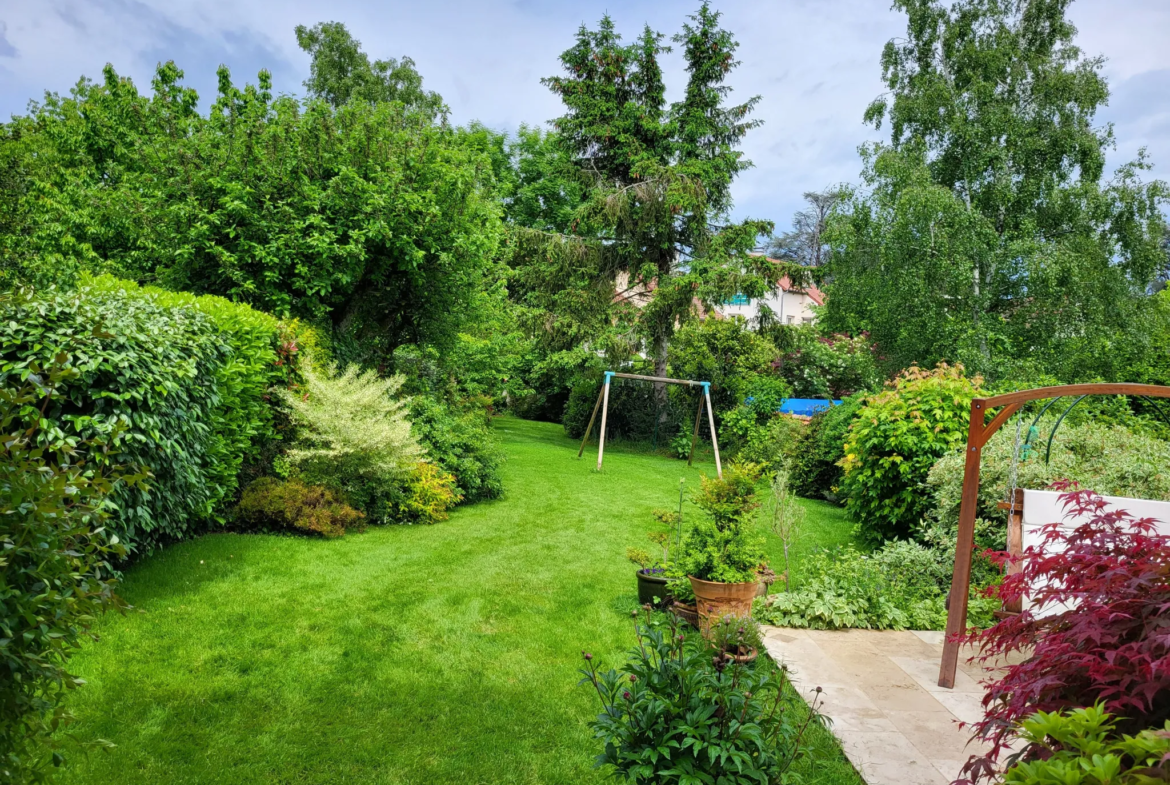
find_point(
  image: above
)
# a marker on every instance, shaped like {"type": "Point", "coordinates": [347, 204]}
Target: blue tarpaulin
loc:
{"type": "Point", "coordinates": [806, 407]}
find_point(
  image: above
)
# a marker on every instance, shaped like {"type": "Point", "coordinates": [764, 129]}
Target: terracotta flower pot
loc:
{"type": "Point", "coordinates": [687, 613]}
{"type": "Point", "coordinates": [716, 600]}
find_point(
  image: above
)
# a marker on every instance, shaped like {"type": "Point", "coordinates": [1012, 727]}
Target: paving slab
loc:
{"type": "Point", "coordinates": [879, 688]}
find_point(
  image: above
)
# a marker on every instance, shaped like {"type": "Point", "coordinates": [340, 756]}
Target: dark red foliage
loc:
{"type": "Point", "coordinates": [1113, 646]}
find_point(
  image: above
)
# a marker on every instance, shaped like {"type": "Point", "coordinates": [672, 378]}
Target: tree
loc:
{"type": "Point", "coordinates": [805, 243]}
{"type": "Point", "coordinates": [785, 517]}
{"type": "Point", "coordinates": [660, 177]}
{"type": "Point", "coordinates": [341, 71]}
{"type": "Point", "coordinates": [369, 216]}
{"type": "Point", "coordinates": [987, 232]}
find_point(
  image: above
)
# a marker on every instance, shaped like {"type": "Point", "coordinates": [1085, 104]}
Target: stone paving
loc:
{"type": "Point", "coordinates": [880, 689]}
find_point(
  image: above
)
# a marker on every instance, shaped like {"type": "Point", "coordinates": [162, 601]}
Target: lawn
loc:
{"type": "Point", "coordinates": [441, 654]}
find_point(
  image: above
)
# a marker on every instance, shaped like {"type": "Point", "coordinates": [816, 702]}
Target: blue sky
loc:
{"type": "Point", "coordinates": [814, 62]}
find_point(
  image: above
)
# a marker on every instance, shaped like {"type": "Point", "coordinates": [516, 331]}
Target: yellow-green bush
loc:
{"type": "Point", "coordinates": [291, 504]}
{"type": "Point", "coordinates": [893, 442]}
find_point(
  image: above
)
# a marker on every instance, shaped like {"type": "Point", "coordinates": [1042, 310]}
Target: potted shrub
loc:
{"type": "Point", "coordinates": [722, 554]}
{"type": "Point", "coordinates": [736, 639]}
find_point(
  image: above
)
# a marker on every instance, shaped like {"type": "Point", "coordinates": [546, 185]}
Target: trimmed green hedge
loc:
{"type": "Point", "coordinates": [185, 376]}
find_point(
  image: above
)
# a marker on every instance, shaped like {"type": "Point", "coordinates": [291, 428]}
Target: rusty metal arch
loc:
{"type": "Point", "coordinates": [978, 433]}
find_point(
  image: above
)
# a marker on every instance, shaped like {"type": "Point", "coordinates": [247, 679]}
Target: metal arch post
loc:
{"type": "Point", "coordinates": [604, 412]}
{"type": "Point", "coordinates": [1059, 420]}
{"type": "Point", "coordinates": [711, 419]}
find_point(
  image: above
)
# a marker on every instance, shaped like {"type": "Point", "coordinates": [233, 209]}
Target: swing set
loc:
{"type": "Point", "coordinates": [979, 432]}
{"type": "Point", "coordinates": [603, 405]}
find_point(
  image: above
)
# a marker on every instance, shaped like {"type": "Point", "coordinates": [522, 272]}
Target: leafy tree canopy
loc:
{"type": "Point", "coordinates": [652, 228]}
{"type": "Point", "coordinates": [987, 232]}
{"type": "Point", "coordinates": [369, 215]}
{"type": "Point", "coordinates": [341, 71]}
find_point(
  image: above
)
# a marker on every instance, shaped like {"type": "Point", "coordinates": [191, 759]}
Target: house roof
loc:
{"type": "Point", "coordinates": [815, 294]}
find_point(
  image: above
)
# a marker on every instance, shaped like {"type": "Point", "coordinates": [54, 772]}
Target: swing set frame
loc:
{"type": "Point", "coordinates": [979, 432]}
{"type": "Point", "coordinates": [603, 405]}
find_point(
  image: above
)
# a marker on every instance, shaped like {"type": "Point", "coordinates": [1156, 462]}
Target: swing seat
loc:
{"type": "Point", "coordinates": [1037, 509]}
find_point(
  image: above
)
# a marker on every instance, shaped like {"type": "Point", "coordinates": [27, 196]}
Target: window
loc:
{"type": "Point", "coordinates": [739, 299]}
{"type": "Point", "coordinates": [791, 318]}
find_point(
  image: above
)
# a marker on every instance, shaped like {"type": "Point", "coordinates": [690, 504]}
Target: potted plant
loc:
{"type": "Point", "coordinates": [722, 554]}
{"type": "Point", "coordinates": [652, 577]}
{"type": "Point", "coordinates": [736, 639]}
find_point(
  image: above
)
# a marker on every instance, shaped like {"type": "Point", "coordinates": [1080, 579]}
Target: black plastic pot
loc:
{"type": "Point", "coordinates": [652, 586]}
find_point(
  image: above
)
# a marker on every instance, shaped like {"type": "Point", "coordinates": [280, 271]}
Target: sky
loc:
{"type": "Point", "coordinates": [815, 63]}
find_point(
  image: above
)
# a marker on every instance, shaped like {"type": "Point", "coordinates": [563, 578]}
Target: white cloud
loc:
{"type": "Point", "coordinates": [814, 62]}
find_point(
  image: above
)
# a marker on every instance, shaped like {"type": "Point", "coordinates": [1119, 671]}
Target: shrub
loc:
{"type": "Point", "coordinates": [677, 715]}
{"type": "Point", "coordinates": [292, 505]}
{"type": "Point", "coordinates": [1107, 459]}
{"type": "Point", "coordinates": [895, 440]}
{"type": "Point", "coordinates": [820, 366]}
{"type": "Point", "coordinates": [724, 548]}
{"type": "Point", "coordinates": [816, 470]}
{"type": "Point", "coordinates": [181, 380]}
{"type": "Point", "coordinates": [1111, 646]}
{"type": "Point", "coordinates": [429, 493]}
{"type": "Point", "coordinates": [56, 574]}
{"type": "Point", "coordinates": [774, 445]}
{"type": "Point", "coordinates": [459, 443]}
{"type": "Point", "coordinates": [724, 352]}
{"type": "Point", "coordinates": [1082, 746]}
{"type": "Point", "coordinates": [354, 425]}
{"type": "Point", "coordinates": [901, 586]}
{"type": "Point", "coordinates": [634, 413]}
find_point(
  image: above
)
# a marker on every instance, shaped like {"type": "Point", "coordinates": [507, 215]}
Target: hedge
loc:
{"type": "Point", "coordinates": [185, 377]}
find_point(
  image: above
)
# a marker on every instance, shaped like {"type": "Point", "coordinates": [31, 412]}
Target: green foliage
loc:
{"type": "Point", "coordinates": [986, 232]}
{"type": "Point", "coordinates": [901, 586]}
{"type": "Point", "coordinates": [819, 366]}
{"type": "Point", "coordinates": [172, 382]}
{"type": "Point", "coordinates": [725, 547]}
{"type": "Point", "coordinates": [775, 445]}
{"type": "Point", "coordinates": [1110, 460]}
{"type": "Point", "coordinates": [56, 563]}
{"type": "Point", "coordinates": [341, 72]}
{"type": "Point", "coordinates": [370, 215]}
{"type": "Point", "coordinates": [357, 438]}
{"type": "Point", "coordinates": [429, 493]}
{"type": "Point", "coordinates": [735, 635]}
{"type": "Point", "coordinates": [268, 503]}
{"type": "Point", "coordinates": [639, 556]}
{"type": "Point", "coordinates": [635, 413]}
{"type": "Point", "coordinates": [656, 215]}
{"type": "Point", "coordinates": [461, 444]}
{"type": "Point", "coordinates": [785, 517]}
{"type": "Point", "coordinates": [736, 360]}
{"type": "Point", "coordinates": [816, 472]}
{"type": "Point", "coordinates": [673, 715]}
{"type": "Point", "coordinates": [1083, 747]}
{"type": "Point", "coordinates": [893, 442]}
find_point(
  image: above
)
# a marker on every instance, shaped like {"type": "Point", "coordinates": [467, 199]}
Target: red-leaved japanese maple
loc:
{"type": "Point", "coordinates": [1113, 645]}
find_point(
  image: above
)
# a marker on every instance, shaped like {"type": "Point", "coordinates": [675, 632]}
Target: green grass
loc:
{"type": "Point", "coordinates": [441, 654]}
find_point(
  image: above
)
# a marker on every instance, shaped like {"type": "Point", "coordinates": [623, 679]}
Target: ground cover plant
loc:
{"type": "Point", "coordinates": [403, 654]}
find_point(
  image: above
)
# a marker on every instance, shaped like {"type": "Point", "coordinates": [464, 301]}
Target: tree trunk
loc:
{"type": "Point", "coordinates": [661, 347]}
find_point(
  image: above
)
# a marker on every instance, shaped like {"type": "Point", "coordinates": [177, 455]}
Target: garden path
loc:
{"type": "Point", "coordinates": [896, 725]}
